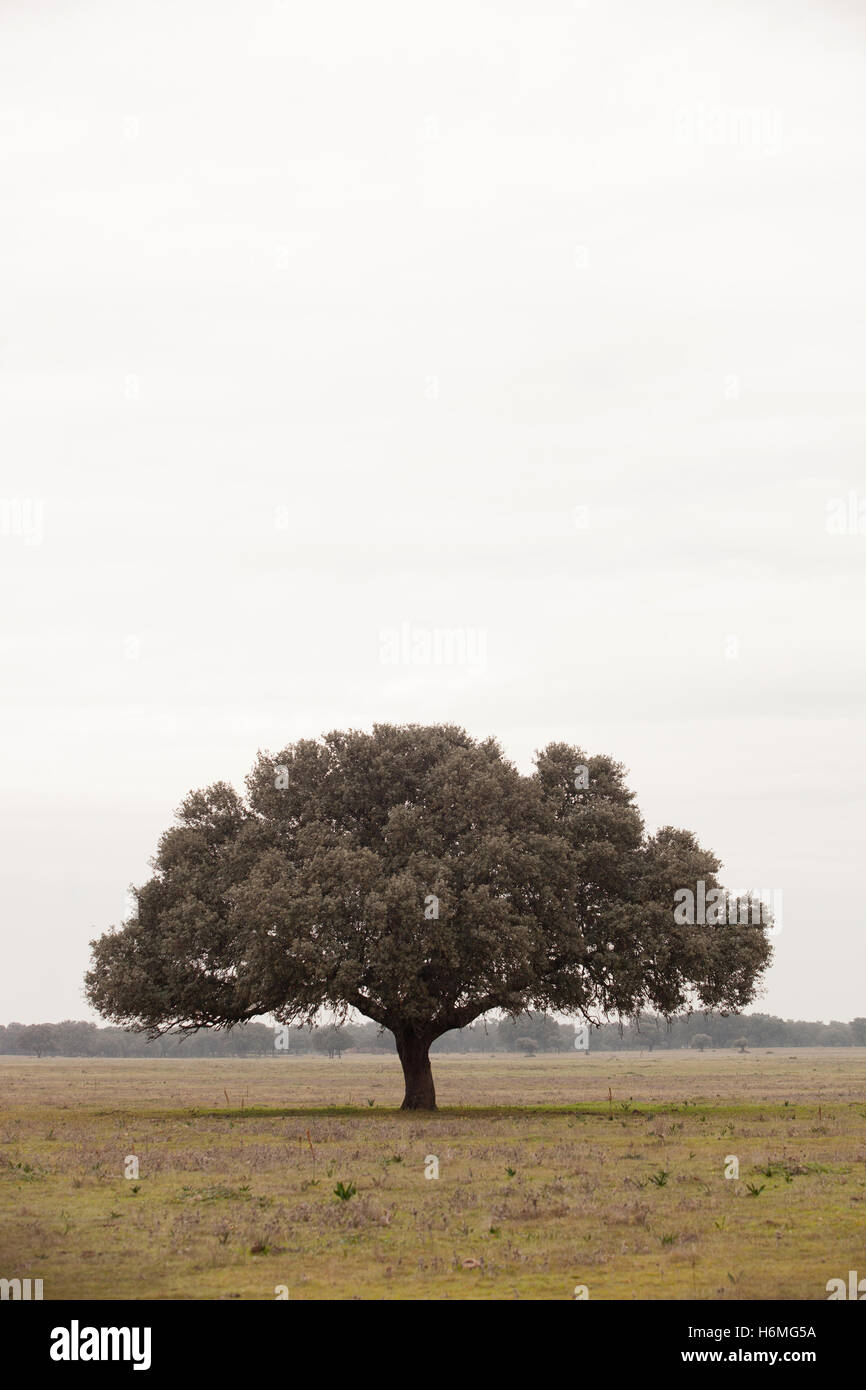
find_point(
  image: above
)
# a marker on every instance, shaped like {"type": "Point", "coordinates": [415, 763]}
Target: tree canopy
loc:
{"type": "Point", "coordinates": [415, 875]}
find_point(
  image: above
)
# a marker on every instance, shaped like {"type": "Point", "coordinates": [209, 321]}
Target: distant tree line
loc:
{"type": "Point", "coordinates": [527, 1034]}
{"type": "Point", "coordinates": [735, 1030]}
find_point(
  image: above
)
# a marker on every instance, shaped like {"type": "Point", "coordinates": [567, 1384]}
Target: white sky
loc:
{"type": "Point", "coordinates": [431, 280]}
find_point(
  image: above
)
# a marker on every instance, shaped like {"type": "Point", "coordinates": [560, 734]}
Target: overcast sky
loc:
{"type": "Point", "coordinates": [324, 328]}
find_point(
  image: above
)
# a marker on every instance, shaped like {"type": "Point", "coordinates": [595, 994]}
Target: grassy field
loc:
{"type": "Point", "coordinates": [605, 1171]}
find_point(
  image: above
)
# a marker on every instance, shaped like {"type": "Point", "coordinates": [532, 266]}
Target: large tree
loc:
{"type": "Point", "coordinates": [414, 875]}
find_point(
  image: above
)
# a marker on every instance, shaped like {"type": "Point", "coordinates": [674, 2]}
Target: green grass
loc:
{"type": "Point", "coordinates": [548, 1177]}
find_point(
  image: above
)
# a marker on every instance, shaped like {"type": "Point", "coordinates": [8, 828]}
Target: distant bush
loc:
{"type": "Point", "coordinates": [334, 1041]}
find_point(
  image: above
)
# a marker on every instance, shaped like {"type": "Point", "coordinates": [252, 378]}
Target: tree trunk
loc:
{"type": "Point", "coordinates": [413, 1049]}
